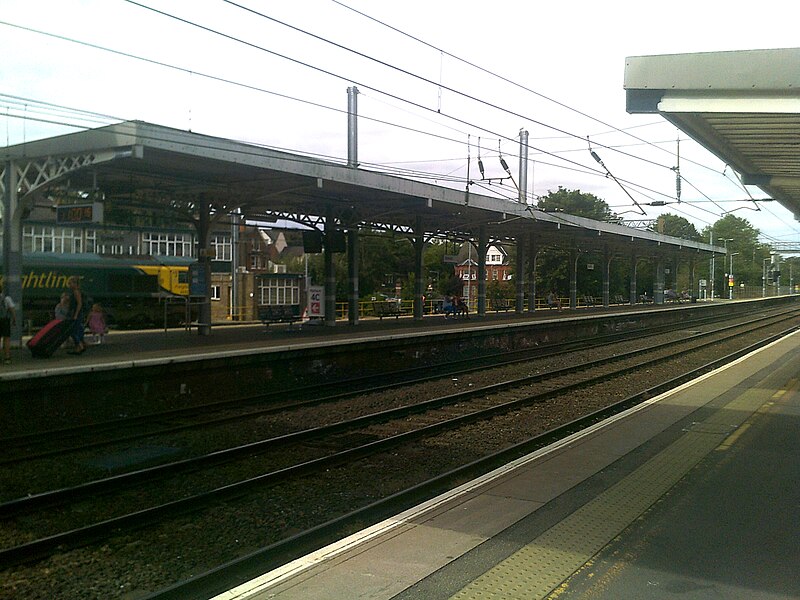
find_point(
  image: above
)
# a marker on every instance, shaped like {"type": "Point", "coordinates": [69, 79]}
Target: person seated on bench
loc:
{"type": "Point", "coordinates": [461, 307]}
{"type": "Point", "coordinates": [553, 301]}
{"type": "Point", "coordinates": [448, 308]}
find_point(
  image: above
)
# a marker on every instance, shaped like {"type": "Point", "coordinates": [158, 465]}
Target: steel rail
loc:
{"type": "Point", "coordinates": [118, 482]}
{"type": "Point", "coordinates": [84, 535]}
{"type": "Point", "coordinates": [223, 578]}
{"type": "Point", "coordinates": [434, 372]}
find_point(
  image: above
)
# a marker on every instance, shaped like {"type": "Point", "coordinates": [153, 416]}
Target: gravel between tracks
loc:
{"type": "Point", "coordinates": [130, 566]}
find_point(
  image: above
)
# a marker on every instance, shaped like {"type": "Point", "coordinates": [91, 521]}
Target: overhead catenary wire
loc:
{"type": "Point", "coordinates": [511, 82]}
{"type": "Point", "coordinates": [359, 82]}
{"type": "Point", "coordinates": [259, 89]}
{"type": "Point", "coordinates": [440, 86]}
{"type": "Point", "coordinates": [610, 174]}
{"type": "Point", "coordinates": [469, 96]}
{"type": "Point", "coordinates": [554, 154]}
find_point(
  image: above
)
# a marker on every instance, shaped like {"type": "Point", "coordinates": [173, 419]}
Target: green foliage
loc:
{"type": "Point", "coordinates": [743, 248]}
{"type": "Point", "coordinates": [500, 290]}
{"type": "Point", "coordinates": [575, 202]}
{"type": "Point", "coordinates": [385, 260]}
{"type": "Point", "coordinates": [679, 227]}
{"type": "Point", "coordinates": [552, 270]}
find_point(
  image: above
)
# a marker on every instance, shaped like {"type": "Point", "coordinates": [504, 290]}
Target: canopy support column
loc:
{"type": "Point", "coordinates": [12, 247]}
{"type": "Point", "coordinates": [521, 272]}
{"type": "Point", "coordinates": [352, 272]}
{"type": "Point", "coordinates": [330, 272]}
{"type": "Point", "coordinates": [204, 264]}
{"type": "Point", "coordinates": [574, 256]}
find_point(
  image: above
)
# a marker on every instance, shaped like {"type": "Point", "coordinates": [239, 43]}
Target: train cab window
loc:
{"type": "Point", "coordinates": [120, 283]}
{"type": "Point", "coordinates": [145, 283]}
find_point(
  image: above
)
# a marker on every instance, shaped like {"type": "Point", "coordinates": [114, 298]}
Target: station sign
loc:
{"type": "Point", "coordinates": [316, 301]}
{"type": "Point", "coordinates": [198, 278]}
{"type": "Point", "coordinates": [72, 214]}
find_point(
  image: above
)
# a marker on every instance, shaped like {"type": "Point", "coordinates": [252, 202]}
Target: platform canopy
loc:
{"type": "Point", "coordinates": [743, 106]}
{"type": "Point", "coordinates": [133, 162]}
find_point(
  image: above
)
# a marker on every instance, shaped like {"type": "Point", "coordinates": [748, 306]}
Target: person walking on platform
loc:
{"type": "Point", "coordinates": [8, 317]}
{"type": "Point", "coordinates": [76, 312]}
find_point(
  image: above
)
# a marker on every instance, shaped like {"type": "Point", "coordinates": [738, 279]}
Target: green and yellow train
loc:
{"type": "Point", "coordinates": [135, 292]}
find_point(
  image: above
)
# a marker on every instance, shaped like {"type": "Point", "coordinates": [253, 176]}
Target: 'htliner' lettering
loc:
{"type": "Point", "coordinates": [42, 280]}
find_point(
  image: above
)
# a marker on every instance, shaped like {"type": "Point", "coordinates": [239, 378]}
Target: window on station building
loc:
{"type": "Point", "coordinates": [258, 262]}
{"type": "Point", "coordinates": [89, 241]}
{"type": "Point", "coordinates": [216, 292]}
{"type": "Point", "coordinates": [58, 240]}
{"type": "Point", "coordinates": [113, 249]}
{"type": "Point", "coordinates": [221, 247]}
{"type": "Point", "coordinates": [167, 244]}
{"type": "Point", "coordinates": [278, 290]}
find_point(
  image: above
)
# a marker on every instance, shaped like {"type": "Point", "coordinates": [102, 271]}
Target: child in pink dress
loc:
{"type": "Point", "coordinates": [97, 323]}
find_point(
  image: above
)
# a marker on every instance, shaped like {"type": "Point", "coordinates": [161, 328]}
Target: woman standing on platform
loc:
{"type": "Point", "coordinates": [76, 312]}
{"type": "Point", "coordinates": [7, 318]}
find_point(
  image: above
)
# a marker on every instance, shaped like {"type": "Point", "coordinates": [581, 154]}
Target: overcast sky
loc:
{"type": "Point", "coordinates": [476, 74]}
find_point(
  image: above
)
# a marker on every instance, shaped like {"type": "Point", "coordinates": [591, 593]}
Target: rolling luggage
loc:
{"type": "Point", "coordinates": [50, 337]}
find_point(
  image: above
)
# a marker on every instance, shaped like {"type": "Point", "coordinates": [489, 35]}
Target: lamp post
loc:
{"type": "Point", "coordinates": [730, 276]}
{"type": "Point", "coordinates": [713, 262]}
{"type": "Point", "coordinates": [776, 266]}
{"type": "Point", "coordinates": [764, 279]}
{"type": "Point", "coordinates": [725, 240]}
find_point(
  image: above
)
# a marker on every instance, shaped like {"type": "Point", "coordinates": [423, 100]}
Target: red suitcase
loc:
{"type": "Point", "coordinates": [50, 337]}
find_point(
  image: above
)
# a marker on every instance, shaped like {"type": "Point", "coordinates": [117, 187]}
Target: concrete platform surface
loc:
{"type": "Point", "coordinates": [694, 494]}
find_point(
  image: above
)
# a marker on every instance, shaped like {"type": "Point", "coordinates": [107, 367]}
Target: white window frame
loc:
{"type": "Point", "coordinates": [56, 240]}
{"type": "Point", "coordinates": [278, 290]}
{"type": "Point", "coordinates": [222, 247]}
{"type": "Point", "coordinates": [167, 244]}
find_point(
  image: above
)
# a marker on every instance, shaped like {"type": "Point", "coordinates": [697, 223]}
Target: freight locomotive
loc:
{"type": "Point", "coordinates": [136, 292]}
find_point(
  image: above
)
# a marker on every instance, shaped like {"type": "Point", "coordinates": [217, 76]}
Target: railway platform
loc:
{"type": "Point", "coordinates": [693, 494]}
{"type": "Point", "coordinates": [158, 346]}
{"type": "Point", "coordinates": [123, 348]}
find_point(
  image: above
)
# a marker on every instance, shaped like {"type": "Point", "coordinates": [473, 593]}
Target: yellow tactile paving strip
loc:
{"type": "Point", "coordinates": [540, 567]}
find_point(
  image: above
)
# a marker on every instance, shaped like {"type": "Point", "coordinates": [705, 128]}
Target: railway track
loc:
{"type": "Point", "coordinates": [85, 437]}
{"type": "Point", "coordinates": [319, 449]}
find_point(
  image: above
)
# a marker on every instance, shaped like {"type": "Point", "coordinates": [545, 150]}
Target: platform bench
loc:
{"type": "Point", "coordinates": [278, 313]}
{"type": "Point", "coordinates": [499, 304]}
{"type": "Point", "coordinates": [386, 309]}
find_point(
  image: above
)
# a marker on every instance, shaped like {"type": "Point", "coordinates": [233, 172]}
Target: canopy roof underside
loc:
{"type": "Point", "coordinates": [134, 161]}
{"type": "Point", "coordinates": [743, 106]}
